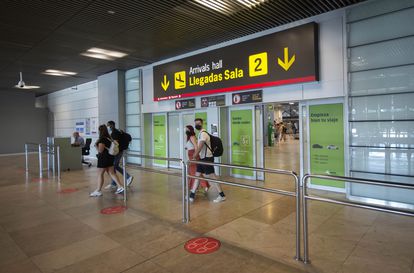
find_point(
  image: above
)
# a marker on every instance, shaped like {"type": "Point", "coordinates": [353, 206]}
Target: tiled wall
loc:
{"type": "Point", "coordinates": [69, 105]}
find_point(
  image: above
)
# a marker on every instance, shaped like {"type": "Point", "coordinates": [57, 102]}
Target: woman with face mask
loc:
{"type": "Point", "coordinates": [190, 146]}
{"type": "Point", "coordinates": [105, 162]}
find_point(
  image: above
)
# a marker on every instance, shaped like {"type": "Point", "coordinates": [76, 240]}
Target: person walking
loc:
{"type": "Point", "coordinates": [203, 151]}
{"type": "Point", "coordinates": [190, 146]}
{"type": "Point", "coordinates": [117, 135]}
{"type": "Point", "coordinates": [282, 132]}
{"type": "Point", "coordinates": [105, 161]}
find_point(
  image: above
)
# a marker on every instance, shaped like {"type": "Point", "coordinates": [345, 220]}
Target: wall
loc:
{"type": "Point", "coordinates": [111, 98]}
{"type": "Point", "coordinates": [21, 121]}
{"type": "Point", "coordinates": [69, 105]}
{"type": "Point", "coordinates": [331, 84]}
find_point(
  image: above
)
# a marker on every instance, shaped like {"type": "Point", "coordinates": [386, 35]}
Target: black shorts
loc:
{"type": "Point", "coordinates": [206, 169]}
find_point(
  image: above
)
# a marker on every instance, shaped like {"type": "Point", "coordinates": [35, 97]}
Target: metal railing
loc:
{"type": "Point", "coordinates": [295, 194]}
{"type": "Point", "coordinates": [183, 172]}
{"type": "Point", "coordinates": [306, 197]}
{"type": "Point", "coordinates": [50, 149]}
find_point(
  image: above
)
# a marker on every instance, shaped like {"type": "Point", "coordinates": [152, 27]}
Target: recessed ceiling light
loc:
{"type": "Point", "coordinates": [98, 56]}
{"type": "Point", "coordinates": [217, 5]}
{"type": "Point", "coordinates": [251, 3]}
{"type": "Point", "coordinates": [104, 54]}
{"type": "Point", "coordinates": [111, 12]}
{"type": "Point", "coordinates": [60, 73]}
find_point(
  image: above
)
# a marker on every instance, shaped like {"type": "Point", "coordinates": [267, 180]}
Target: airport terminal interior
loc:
{"type": "Point", "coordinates": [256, 136]}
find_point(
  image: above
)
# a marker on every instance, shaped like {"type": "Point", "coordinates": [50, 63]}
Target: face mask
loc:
{"type": "Point", "coordinates": [198, 127]}
{"type": "Point", "coordinates": [109, 130]}
{"type": "Point", "coordinates": [187, 133]}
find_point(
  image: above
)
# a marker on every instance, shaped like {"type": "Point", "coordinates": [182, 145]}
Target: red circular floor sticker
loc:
{"type": "Point", "coordinates": [113, 210]}
{"type": "Point", "coordinates": [202, 245]}
{"type": "Point", "coordinates": [68, 190]}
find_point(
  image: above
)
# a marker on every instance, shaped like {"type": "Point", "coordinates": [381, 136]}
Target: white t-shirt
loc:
{"type": "Point", "coordinates": [189, 145]}
{"type": "Point", "coordinates": [204, 138]}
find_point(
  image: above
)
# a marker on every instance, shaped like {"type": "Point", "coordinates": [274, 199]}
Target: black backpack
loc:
{"type": "Point", "coordinates": [216, 146]}
{"type": "Point", "coordinates": [124, 140]}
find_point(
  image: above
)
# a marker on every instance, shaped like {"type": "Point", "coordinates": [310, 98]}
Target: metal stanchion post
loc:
{"type": "Point", "coordinates": [298, 196]}
{"type": "Point", "coordinates": [53, 160]}
{"type": "Point", "coordinates": [125, 180]}
{"type": "Point", "coordinates": [48, 158]}
{"type": "Point", "coordinates": [305, 223]}
{"type": "Point", "coordinates": [40, 162]}
{"type": "Point", "coordinates": [58, 161]}
{"type": "Point", "coordinates": [187, 193]}
{"type": "Point", "coordinates": [184, 185]}
{"type": "Point", "coordinates": [26, 158]}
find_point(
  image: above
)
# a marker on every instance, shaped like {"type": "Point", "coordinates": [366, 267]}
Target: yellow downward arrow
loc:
{"type": "Point", "coordinates": [165, 83]}
{"type": "Point", "coordinates": [286, 63]}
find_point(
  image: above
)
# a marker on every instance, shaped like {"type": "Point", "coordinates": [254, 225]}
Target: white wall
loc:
{"type": "Point", "coordinates": [69, 105]}
{"type": "Point", "coordinates": [331, 59]}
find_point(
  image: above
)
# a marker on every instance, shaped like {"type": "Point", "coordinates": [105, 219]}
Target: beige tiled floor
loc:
{"type": "Point", "coordinates": [42, 230]}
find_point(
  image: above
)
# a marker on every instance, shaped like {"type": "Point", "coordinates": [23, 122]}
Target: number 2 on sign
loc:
{"type": "Point", "coordinates": [258, 64]}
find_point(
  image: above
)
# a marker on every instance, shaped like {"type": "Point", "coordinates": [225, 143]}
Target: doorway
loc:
{"type": "Point", "coordinates": [281, 139]}
{"type": "Point", "coordinates": [176, 133]}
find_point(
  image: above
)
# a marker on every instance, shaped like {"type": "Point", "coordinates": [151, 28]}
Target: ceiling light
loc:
{"type": "Point", "coordinates": [100, 52]}
{"type": "Point", "coordinates": [60, 73]}
{"type": "Point", "coordinates": [217, 5]}
{"type": "Point", "coordinates": [291, 103]}
{"type": "Point", "coordinates": [251, 3]}
{"type": "Point", "coordinates": [98, 56]}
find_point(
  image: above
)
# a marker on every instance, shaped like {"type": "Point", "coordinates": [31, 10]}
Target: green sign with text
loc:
{"type": "Point", "coordinates": [326, 124]}
{"type": "Point", "coordinates": [159, 138]}
{"type": "Point", "coordinates": [242, 141]}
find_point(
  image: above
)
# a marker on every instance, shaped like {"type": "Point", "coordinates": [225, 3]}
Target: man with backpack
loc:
{"type": "Point", "coordinates": [123, 139]}
{"type": "Point", "coordinates": [206, 151]}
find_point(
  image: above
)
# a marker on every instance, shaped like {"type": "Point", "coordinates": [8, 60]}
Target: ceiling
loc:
{"type": "Point", "coordinates": [39, 34]}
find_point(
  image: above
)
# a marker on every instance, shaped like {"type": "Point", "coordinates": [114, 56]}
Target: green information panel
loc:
{"type": "Point", "coordinates": [202, 115]}
{"type": "Point", "coordinates": [159, 138]}
{"type": "Point", "coordinates": [242, 140]}
{"type": "Point", "coordinates": [327, 142]}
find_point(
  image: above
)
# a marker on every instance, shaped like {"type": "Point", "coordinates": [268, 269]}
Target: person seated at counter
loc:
{"type": "Point", "coordinates": [77, 140]}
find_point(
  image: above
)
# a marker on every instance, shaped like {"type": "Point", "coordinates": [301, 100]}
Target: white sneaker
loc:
{"type": "Point", "coordinates": [219, 199]}
{"type": "Point", "coordinates": [110, 187]}
{"type": "Point", "coordinates": [129, 180]}
{"type": "Point", "coordinates": [95, 194]}
{"type": "Point", "coordinates": [120, 190]}
{"type": "Point", "coordinates": [192, 197]}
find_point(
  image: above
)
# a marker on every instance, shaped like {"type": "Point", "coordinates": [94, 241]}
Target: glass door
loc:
{"type": "Point", "coordinates": [174, 136]}
{"type": "Point", "coordinates": [187, 119]}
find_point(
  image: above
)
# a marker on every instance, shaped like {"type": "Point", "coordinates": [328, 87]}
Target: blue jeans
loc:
{"type": "Point", "coordinates": [117, 160]}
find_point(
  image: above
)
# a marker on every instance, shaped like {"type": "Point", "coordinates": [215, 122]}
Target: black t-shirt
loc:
{"type": "Point", "coordinates": [116, 135]}
{"type": "Point", "coordinates": [105, 142]}
{"type": "Point", "coordinates": [105, 160]}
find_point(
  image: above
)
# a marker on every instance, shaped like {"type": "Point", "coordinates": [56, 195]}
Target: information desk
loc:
{"type": "Point", "coordinates": [70, 156]}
